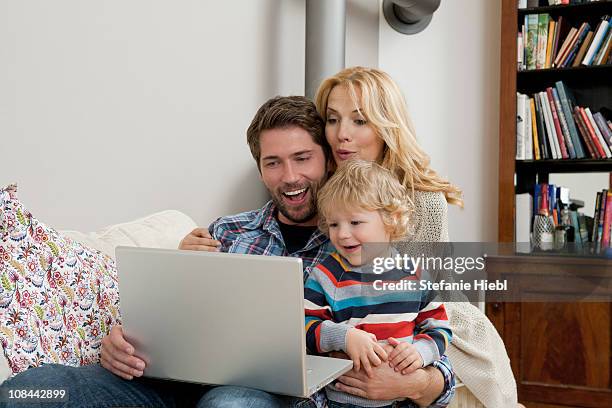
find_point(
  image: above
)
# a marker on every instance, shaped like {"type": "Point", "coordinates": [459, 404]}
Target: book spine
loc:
{"type": "Point", "coordinates": [564, 128]}
{"type": "Point", "coordinates": [596, 217]}
{"type": "Point", "coordinates": [542, 40]}
{"type": "Point", "coordinates": [528, 142]}
{"type": "Point", "coordinates": [587, 124]}
{"type": "Point", "coordinates": [585, 134]}
{"type": "Point", "coordinates": [534, 130]}
{"type": "Point", "coordinates": [557, 125]}
{"type": "Point", "coordinates": [603, 128]}
{"type": "Point", "coordinates": [602, 214]}
{"type": "Point", "coordinates": [607, 223]}
{"type": "Point", "coordinates": [555, 48]}
{"type": "Point", "coordinates": [550, 127]}
{"type": "Point", "coordinates": [583, 49]}
{"type": "Point", "coordinates": [584, 29]}
{"type": "Point", "coordinates": [549, 43]}
{"type": "Point", "coordinates": [520, 51]}
{"type": "Point", "coordinates": [567, 111]}
{"type": "Point", "coordinates": [602, 49]}
{"type": "Point", "coordinates": [597, 39]}
{"type": "Point", "coordinates": [608, 53]}
{"type": "Point", "coordinates": [520, 127]}
{"type": "Point", "coordinates": [565, 46]}
{"type": "Point", "coordinates": [532, 40]}
{"type": "Point", "coordinates": [598, 134]}
{"type": "Point", "coordinates": [544, 148]}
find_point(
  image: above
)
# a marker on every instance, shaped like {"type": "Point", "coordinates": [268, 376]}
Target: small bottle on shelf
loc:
{"type": "Point", "coordinates": [543, 226]}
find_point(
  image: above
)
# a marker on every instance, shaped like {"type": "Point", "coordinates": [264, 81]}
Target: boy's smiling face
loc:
{"type": "Point", "coordinates": [351, 228]}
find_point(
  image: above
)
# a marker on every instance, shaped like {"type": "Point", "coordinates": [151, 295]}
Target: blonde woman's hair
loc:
{"type": "Point", "coordinates": [383, 106]}
{"type": "Point", "coordinates": [369, 186]}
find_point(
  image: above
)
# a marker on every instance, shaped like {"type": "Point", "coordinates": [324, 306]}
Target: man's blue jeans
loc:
{"type": "Point", "coordinates": [94, 386]}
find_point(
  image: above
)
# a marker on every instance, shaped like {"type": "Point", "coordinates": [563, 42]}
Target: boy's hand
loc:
{"type": "Point", "coordinates": [404, 357]}
{"type": "Point", "coordinates": [363, 349]}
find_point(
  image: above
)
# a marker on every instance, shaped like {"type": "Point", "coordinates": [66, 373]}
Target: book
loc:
{"type": "Point", "coordinates": [598, 134]}
{"type": "Point", "coordinates": [605, 45]}
{"type": "Point", "coordinates": [583, 49]}
{"type": "Point", "coordinates": [542, 137]}
{"type": "Point", "coordinates": [596, 217]}
{"type": "Point", "coordinates": [607, 57]}
{"type": "Point", "coordinates": [602, 214]}
{"type": "Point", "coordinates": [573, 49]}
{"type": "Point", "coordinates": [520, 50]}
{"type": "Point", "coordinates": [584, 133]}
{"type": "Point", "coordinates": [520, 126]}
{"type": "Point", "coordinates": [528, 143]}
{"type": "Point", "coordinates": [564, 127]}
{"type": "Point", "coordinates": [607, 222]}
{"type": "Point", "coordinates": [549, 43]}
{"type": "Point", "coordinates": [603, 128]}
{"type": "Point", "coordinates": [531, 25]}
{"type": "Point", "coordinates": [564, 47]}
{"type": "Point", "coordinates": [556, 124]}
{"type": "Point", "coordinates": [592, 135]}
{"type": "Point", "coordinates": [567, 112]}
{"type": "Point", "coordinates": [542, 40]}
{"type": "Point", "coordinates": [534, 130]}
{"type": "Point", "coordinates": [550, 128]}
{"type": "Point", "coordinates": [600, 33]}
{"type": "Point", "coordinates": [561, 27]}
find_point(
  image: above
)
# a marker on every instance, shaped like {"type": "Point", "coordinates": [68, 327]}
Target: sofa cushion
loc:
{"type": "Point", "coordinates": [58, 297]}
{"type": "Point", "coordinates": [164, 229]}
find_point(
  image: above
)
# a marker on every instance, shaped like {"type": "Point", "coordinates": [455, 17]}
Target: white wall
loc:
{"type": "Point", "coordinates": [110, 110]}
{"type": "Point", "coordinates": [449, 74]}
{"type": "Point", "coordinates": [121, 108]}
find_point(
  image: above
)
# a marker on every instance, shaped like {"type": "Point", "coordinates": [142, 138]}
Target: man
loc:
{"type": "Point", "coordinates": [286, 139]}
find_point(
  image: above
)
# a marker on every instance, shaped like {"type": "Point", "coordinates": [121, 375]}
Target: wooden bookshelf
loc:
{"type": "Point", "coordinates": [560, 380]}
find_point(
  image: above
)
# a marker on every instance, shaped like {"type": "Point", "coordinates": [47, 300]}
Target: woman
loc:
{"type": "Point", "coordinates": [366, 118]}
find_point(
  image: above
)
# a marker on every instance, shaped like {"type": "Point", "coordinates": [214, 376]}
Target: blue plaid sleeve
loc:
{"type": "Point", "coordinates": [448, 392]}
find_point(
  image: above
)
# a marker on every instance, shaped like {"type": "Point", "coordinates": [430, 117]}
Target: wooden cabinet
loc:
{"type": "Point", "coordinates": [559, 351]}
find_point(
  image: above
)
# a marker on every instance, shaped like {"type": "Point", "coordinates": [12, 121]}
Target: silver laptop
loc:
{"type": "Point", "coordinates": [218, 318]}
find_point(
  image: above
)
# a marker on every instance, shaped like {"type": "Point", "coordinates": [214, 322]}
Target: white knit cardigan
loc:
{"type": "Point", "coordinates": [477, 352]}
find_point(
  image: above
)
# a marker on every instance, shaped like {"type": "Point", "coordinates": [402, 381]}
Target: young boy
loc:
{"type": "Point", "coordinates": [361, 204]}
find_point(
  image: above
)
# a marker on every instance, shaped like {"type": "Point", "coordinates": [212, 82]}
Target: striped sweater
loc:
{"type": "Point", "coordinates": [338, 297]}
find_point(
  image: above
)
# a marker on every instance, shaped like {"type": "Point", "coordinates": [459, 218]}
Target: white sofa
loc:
{"type": "Point", "coordinates": [165, 230]}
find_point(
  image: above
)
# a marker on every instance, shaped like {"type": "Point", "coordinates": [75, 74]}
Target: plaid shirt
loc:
{"type": "Point", "coordinates": [257, 232]}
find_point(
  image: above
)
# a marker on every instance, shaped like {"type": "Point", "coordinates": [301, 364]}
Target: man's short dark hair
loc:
{"type": "Point", "coordinates": [283, 112]}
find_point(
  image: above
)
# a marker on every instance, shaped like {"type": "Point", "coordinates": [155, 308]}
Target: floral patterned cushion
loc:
{"type": "Point", "coordinates": [58, 298]}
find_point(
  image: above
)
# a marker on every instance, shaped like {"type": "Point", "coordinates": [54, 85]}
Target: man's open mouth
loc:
{"type": "Point", "coordinates": [296, 196]}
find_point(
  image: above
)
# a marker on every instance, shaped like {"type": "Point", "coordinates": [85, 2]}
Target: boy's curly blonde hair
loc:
{"type": "Point", "coordinates": [369, 186]}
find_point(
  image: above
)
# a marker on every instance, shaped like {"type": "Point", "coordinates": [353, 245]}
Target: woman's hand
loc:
{"type": "Point", "coordinates": [118, 356]}
{"type": "Point", "coordinates": [200, 240]}
{"type": "Point", "coordinates": [363, 349]}
{"type": "Point", "coordinates": [404, 357]}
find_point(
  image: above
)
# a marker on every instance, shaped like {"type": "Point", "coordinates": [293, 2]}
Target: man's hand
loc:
{"type": "Point", "coordinates": [404, 357]}
{"type": "Point", "coordinates": [118, 356]}
{"type": "Point", "coordinates": [363, 349]}
{"type": "Point", "coordinates": [199, 240]}
{"type": "Point", "coordinates": [422, 386]}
